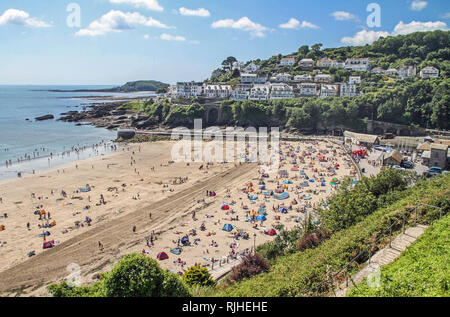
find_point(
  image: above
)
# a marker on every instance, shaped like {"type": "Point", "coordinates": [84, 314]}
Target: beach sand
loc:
{"type": "Point", "coordinates": [132, 190]}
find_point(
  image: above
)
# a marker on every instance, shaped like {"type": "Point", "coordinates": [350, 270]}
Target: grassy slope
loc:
{"type": "Point", "coordinates": [422, 270]}
{"type": "Point", "coordinates": [300, 274]}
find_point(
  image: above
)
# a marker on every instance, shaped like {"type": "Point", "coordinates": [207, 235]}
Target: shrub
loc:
{"type": "Point", "coordinates": [312, 240]}
{"type": "Point", "coordinates": [251, 265]}
{"type": "Point", "coordinates": [199, 276]}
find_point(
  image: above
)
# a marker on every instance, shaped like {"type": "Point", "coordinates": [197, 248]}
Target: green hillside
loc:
{"type": "Point", "coordinates": [141, 85]}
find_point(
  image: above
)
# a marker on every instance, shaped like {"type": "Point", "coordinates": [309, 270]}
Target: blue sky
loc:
{"type": "Point", "coordinates": [178, 40]}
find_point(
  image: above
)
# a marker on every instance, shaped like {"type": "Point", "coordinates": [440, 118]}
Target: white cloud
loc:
{"type": "Point", "coordinates": [21, 18]}
{"type": "Point", "coordinates": [199, 12]}
{"type": "Point", "coordinates": [343, 16]}
{"type": "Point", "coordinates": [418, 5]}
{"type": "Point", "coordinates": [147, 4]}
{"type": "Point", "coordinates": [117, 21]}
{"type": "Point", "coordinates": [291, 24]}
{"type": "Point", "coordinates": [245, 24]}
{"type": "Point", "coordinates": [168, 37]}
{"type": "Point", "coordinates": [415, 26]}
{"type": "Point", "coordinates": [364, 37]}
{"type": "Point", "coordinates": [308, 25]}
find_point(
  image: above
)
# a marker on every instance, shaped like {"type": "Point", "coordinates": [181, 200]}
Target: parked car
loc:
{"type": "Point", "coordinates": [432, 171]}
{"type": "Point", "coordinates": [398, 168]}
{"type": "Point", "coordinates": [407, 164]}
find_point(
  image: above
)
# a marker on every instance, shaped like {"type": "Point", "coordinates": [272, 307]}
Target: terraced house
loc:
{"type": "Point", "coordinates": [281, 91]}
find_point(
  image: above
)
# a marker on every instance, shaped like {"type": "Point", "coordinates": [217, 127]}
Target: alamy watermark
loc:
{"type": "Point", "coordinates": [232, 145]}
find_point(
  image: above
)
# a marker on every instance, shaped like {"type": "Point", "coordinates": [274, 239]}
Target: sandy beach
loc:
{"type": "Point", "coordinates": [138, 200]}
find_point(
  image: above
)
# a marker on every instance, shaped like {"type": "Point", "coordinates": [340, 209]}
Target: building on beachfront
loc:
{"type": "Point", "coordinates": [283, 78]}
{"type": "Point", "coordinates": [325, 62]}
{"type": "Point", "coordinates": [259, 92]}
{"type": "Point", "coordinates": [407, 72]}
{"type": "Point", "coordinates": [217, 91]}
{"type": "Point", "coordinates": [189, 89]}
{"type": "Point", "coordinates": [391, 158]}
{"type": "Point", "coordinates": [323, 78]}
{"type": "Point", "coordinates": [306, 63]}
{"type": "Point", "coordinates": [251, 68]}
{"type": "Point", "coordinates": [308, 89]}
{"type": "Point", "coordinates": [329, 90]}
{"type": "Point", "coordinates": [247, 78]}
{"type": "Point", "coordinates": [429, 72]}
{"type": "Point", "coordinates": [241, 92]}
{"type": "Point", "coordinates": [358, 64]}
{"type": "Point", "coordinates": [354, 80]}
{"type": "Point", "coordinates": [287, 61]}
{"type": "Point", "coordinates": [348, 90]}
{"type": "Point", "coordinates": [362, 139]}
{"type": "Point", "coordinates": [281, 91]}
{"type": "Point", "coordinates": [438, 156]}
{"type": "Point", "coordinates": [303, 78]}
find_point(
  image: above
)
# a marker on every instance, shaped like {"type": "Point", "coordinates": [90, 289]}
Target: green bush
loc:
{"type": "Point", "coordinates": [198, 276]}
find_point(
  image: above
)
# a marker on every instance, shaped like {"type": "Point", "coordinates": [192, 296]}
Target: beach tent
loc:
{"type": "Point", "coordinates": [225, 207]}
{"type": "Point", "coordinates": [253, 198]}
{"type": "Point", "coordinates": [287, 182]}
{"type": "Point", "coordinates": [283, 210]}
{"type": "Point", "coordinates": [48, 245]}
{"type": "Point", "coordinates": [162, 256]}
{"type": "Point", "coordinates": [176, 251]}
{"type": "Point", "coordinates": [272, 232]}
{"type": "Point", "coordinates": [228, 228]}
{"type": "Point", "coordinates": [282, 196]}
{"type": "Point", "coordinates": [261, 218]}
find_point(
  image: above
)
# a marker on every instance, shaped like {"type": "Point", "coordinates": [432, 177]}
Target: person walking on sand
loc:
{"type": "Point", "coordinates": [100, 246]}
{"type": "Point", "coordinates": [134, 229]}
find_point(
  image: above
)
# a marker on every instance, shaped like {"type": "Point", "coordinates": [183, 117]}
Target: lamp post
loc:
{"type": "Point", "coordinates": [254, 243]}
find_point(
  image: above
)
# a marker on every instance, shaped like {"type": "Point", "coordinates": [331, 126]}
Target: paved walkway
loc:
{"type": "Point", "coordinates": [383, 257]}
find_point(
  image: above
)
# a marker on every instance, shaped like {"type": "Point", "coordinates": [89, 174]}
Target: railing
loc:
{"type": "Point", "coordinates": [226, 263]}
{"type": "Point", "coordinates": [346, 269]}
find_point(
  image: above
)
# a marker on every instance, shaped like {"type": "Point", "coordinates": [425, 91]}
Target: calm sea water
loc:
{"type": "Point", "coordinates": [19, 137]}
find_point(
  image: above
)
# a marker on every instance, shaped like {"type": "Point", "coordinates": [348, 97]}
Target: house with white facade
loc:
{"type": "Point", "coordinates": [407, 72]}
{"type": "Point", "coordinates": [378, 70]}
{"type": "Point", "coordinates": [338, 64]}
{"type": "Point", "coordinates": [284, 77]}
{"type": "Point", "coordinates": [323, 78]}
{"type": "Point", "coordinates": [306, 63]}
{"type": "Point", "coordinates": [325, 62]}
{"type": "Point", "coordinates": [237, 65]}
{"type": "Point", "coordinates": [303, 78]}
{"type": "Point", "coordinates": [308, 89]}
{"type": "Point", "coordinates": [247, 78]}
{"type": "Point", "coordinates": [354, 80]}
{"type": "Point", "coordinates": [429, 72]}
{"type": "Point", "coordinates": [251, 68]}
{"type": "Point", "coordinates": [348, 90]}
{"type": "Point", "coordinates": [329, 90]}
{"type": "Point", "coordinates": [287, 61]}
{"type": "Point", "coordinates": [189, 89]}
{"type": "Point", "coordinates": [259, 92]}
{"type": "Point", "coordinates": [392, 72]}
{"type": "Point", "coordinates": [357, 64]}
{"type": "Point", "coordinates": [281, 91]}
{"type": "Point", "coordinates": [241, 92]}
{"type": "Point", "coordinates": [217, 91]}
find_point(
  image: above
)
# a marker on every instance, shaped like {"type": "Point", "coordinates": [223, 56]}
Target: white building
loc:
{"type": "Point", "coordinates": [325, 62]}
{"type": "Point", "coordinates": [348, 90]}
{"type": "Point", "coordinates": [338, 64]}
{"type": "Point", "coordinates": [308, 89]}
{"type": "Point", "coordinates": [281, 91]}
{"type": "Point", "coordinates": [329, 90]}
{"type": "Point", "coordinates": [378, 70]}
{"type": "Point", "coordinates": [323, 78]}
{"type": "Point", "coordinates": [189, 89]}
{"type": "Point", "coordinates": [241, 92]}
{"type": "Point", "coordinates": [217, 91]}
{"type": "Point", "coordinates": [429, 72]}
{"type": "Point", "coordinates": [252, 79]}
{"type": "Point", "coordinates": [392, 72]}
{"type": "Point", "coordinates": [354, 80]}
{"type": "Point", "coordinates": [357, 64]}
{"type": "Point", "coordinates": [407, 72]}
{"type": "Point", "coordinates": [282, 77]}
{"type": "Point", "coordinates": [259, 92]}
{"type": "Point", "coordinates": [287, 61]}
{"type": "Point", "coordinates": [251, 68]}
{"type": "Point", "coordinates": [306, 63]}
{"type": "Point", "coordinates": [303, 78]}
{"type": "Point", "coordinates": [237, 65]}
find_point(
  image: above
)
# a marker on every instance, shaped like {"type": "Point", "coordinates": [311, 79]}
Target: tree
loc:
{"type": "Point", "coordinates": [228, 63]}
{"type": "Point", "coordinates": [136, 275]}
{"type": "Point", "coordinates": [198, 276]}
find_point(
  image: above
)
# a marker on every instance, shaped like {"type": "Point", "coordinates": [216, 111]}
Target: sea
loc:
{"type": "Point", "coordinates": [29, 144]}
